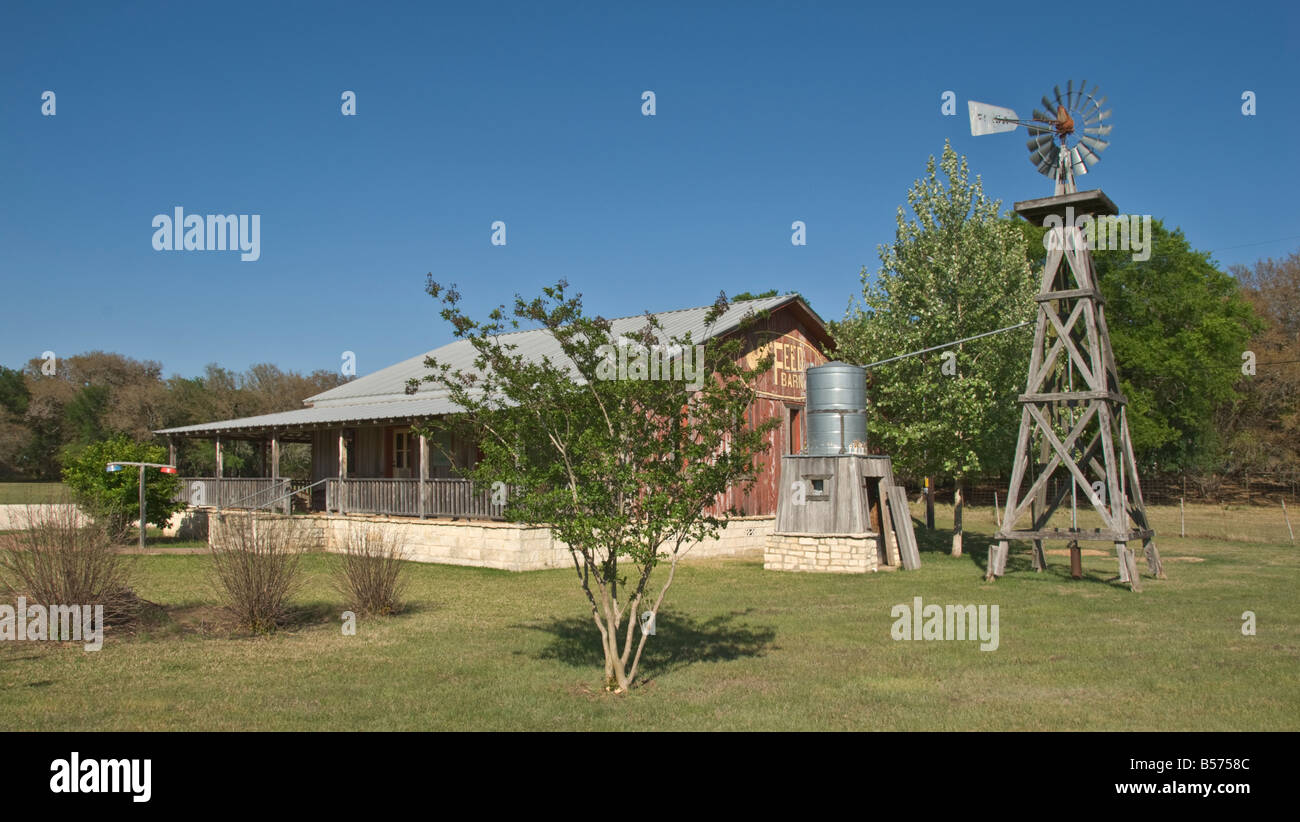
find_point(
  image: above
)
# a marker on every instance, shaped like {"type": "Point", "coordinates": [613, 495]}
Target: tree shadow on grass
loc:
{"type": "Point", "coordinates": [680, 640]}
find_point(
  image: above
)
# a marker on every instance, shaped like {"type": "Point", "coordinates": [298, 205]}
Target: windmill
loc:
{"type": "Point", "coordinates": [1065, 136]}
{"type": "Point", "coordinates": [1073, 443]}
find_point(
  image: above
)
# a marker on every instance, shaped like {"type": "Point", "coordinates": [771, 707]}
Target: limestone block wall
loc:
{"type": "Point", "coordinates": [18, 517]}
{"type": "Point", "coordinates": [822, 553]}
{"type": "Point", "coordinates": [483, 543]}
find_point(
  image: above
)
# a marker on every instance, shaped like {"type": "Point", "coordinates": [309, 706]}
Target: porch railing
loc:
{"type": "Point", "coordinates": [363, 495]}
{"type": "Point", "coordinates": [401, 497]}
{"type": "Point", "coordinates": [231, 492]}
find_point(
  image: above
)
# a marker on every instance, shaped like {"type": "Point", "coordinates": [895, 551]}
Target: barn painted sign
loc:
{"type": "Point", "coordinates": [792, 355]}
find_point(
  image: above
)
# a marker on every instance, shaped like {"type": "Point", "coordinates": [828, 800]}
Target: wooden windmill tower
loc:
{"type": "Point", "coordinates": [1073, 446]}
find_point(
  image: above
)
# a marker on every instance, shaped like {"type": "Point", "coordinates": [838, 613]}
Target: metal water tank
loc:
{"type": "Point", "coordinates": [837, 408]}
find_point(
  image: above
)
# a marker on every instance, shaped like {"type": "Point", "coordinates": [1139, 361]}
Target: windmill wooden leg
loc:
{"type": "Point", "coordinates": [1154, 565]}
{"type": "Point", "coordinates": [1128, 566]}
{"type": "Point", "coordinates": [1004, 548]}
{"type": "Point", "coordinates": [1040, 557]}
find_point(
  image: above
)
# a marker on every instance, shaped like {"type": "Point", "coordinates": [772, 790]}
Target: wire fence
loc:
{"type": "Point", "coordinates": [1251, 508]}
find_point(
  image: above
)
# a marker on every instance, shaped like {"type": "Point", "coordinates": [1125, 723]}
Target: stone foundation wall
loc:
{"type": "Point", "coordinates": [822, 553]}
{"type": "Point", "coordinates": [483, 543]}
{"type": "Point", "coordinates": [18, 517]}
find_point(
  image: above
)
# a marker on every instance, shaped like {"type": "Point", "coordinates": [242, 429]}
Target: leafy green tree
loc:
{"type": "Point", "coordinates": [1179, 327]}
{"type": "Point", "coordinates": [624, 470]}
{"type": "Point", "coordinates": [956, 269]}
{"type": "Point", "coordinates": [113, 498]}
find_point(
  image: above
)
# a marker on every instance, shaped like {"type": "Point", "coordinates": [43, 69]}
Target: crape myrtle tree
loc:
{"type": "Point", "coordinates": [625, 469]}
{"type": "Point", "coordinates": [955, 270]}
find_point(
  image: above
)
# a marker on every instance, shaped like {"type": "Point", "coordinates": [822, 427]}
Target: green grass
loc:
{"type": "Point", "coordinates": [738, 648]}
{"type": "Point", "coordinates": [32, 493]}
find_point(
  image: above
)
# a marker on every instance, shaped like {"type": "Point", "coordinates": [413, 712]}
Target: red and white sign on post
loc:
{"type": "Point", "coordinates": [116, 466]}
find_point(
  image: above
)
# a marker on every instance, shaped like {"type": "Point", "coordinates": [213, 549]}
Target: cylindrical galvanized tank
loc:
{"type": "Point", "coordinates": [837, 408]}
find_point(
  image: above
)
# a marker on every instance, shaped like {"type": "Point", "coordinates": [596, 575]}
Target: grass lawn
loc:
{"type": "Point", "coordinates": [738, 648]}
{"type": "Point", "coordinates": [32, 493]}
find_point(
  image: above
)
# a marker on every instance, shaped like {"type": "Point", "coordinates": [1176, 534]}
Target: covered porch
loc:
{"type": "Point", "coordinates": [376, 467]}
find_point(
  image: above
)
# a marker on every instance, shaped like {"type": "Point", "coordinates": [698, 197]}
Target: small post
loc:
{"type": "Point", "coordinates": [275, 473]}
{"type": "Point", "coordinates": [219, 473]}
{"type": "Point", "coordinates": [142, 523]}
{"type": "Point", "coordinates": [929, 503]}
{"type": "Point", "coordinates": [424, 471]}
{"type": "Point", "coordinates": [1287, 517]}
{"type": "Point", "coordinates": [343, 470]}
{"type": "Point", "coordinates": [1182, 519]}
{"type": "Point", "coordinates": [1076, 560]}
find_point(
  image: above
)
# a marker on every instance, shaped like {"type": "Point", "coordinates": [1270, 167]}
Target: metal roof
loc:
{"type": "Point", "coordinates": [382, 395]}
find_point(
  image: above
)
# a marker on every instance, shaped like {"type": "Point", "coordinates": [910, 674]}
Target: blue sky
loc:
{"type": "Point", "coordinates": [530, 113]}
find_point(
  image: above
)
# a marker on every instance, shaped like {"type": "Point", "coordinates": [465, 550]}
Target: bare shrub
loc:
{"type": "Point", "coordinates": [61, 558]}
{"type": "Point", "coordinates": [370, 574]}
{"type": "Point", "coordinates": [256, 564]}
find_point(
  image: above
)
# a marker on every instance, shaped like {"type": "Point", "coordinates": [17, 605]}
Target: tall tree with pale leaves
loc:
{"type": "Point", "coordinates": [956, 268]}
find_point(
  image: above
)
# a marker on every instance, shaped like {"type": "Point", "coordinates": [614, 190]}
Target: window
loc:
{"type": "Point", "coordinates": [402, 450]}
{"type": "Point", "coordinates": [818, 486]}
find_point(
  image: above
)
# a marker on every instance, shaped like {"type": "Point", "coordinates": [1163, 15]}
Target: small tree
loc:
{"type": "Point", "coordinates": [114, 498]}
{"type": "Point", "coordinates": [626, 469]}
{"type": "Point", "coordinates": [957, 269]}
{"type": "Point", "coordinates": [60, 559]}
{"type": "Point", "coordinates": [370, 570]}
{"type": "Point", "coordinates": [255, 566]}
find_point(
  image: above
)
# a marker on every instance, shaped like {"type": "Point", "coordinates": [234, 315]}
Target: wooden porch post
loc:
{"type": "Point", "coordinates": [424, 470]}
{"type": "Point", "coordinates": [218, 472]}
{"type": "Point", "coordinates": [343, 469]}
{"type": "Point", "coordinates": [171, 451]}
{"type": "Point", "coordinates": [275, 469]}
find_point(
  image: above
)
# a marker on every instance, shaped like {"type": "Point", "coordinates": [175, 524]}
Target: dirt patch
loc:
{"type": "Point", "coordinates": [1087, 552]}
{"type": "Point", "coordinates": [1182, 559]}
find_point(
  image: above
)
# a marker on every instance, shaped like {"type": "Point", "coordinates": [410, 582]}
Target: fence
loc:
{"type": "Point", "coordinates": [1251, 509]}
{"type": "Point", "coordinates": [1256, 489]}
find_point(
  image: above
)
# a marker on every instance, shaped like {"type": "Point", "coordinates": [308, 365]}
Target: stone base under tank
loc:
{"type": "Point", "coordinates": [823, 553]}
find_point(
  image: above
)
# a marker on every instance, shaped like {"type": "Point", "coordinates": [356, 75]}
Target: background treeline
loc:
{"type": "Point", "coordinates": [97, 395]}
{"type": "Point", "coordinates": [1179, 324]}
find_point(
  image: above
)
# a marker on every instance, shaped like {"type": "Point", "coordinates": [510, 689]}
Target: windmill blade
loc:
{"type": "Point", "coordinates": [1047, 104]}
{"type": "Point", "coordinates": [1069, 94]}
{"type": "Point", "coordinates": [1039, 159]}
{"type": "Point", "coordinates": [1059, 100]}
{"type": "Point", "coordinates": [1094, 104]}
{"type": "Point", "coordinates": [1100, 131]}
{"type": "Point", "coordinates": [1095, 113]}
{"type": "Point", "coordinates": [1039, 141]}
{"type": "Point", "coordinates": [1079, 94]}
{"type": "Point", "coordinates": [1087, 154]}
{"type": "Point", "coordinates": [1095, 143]}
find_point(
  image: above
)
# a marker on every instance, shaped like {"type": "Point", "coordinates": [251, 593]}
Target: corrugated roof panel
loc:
{"type": "Point", "coordinates": [538, 343]}
{"type": "Point", "coordinates": [382, 395]}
